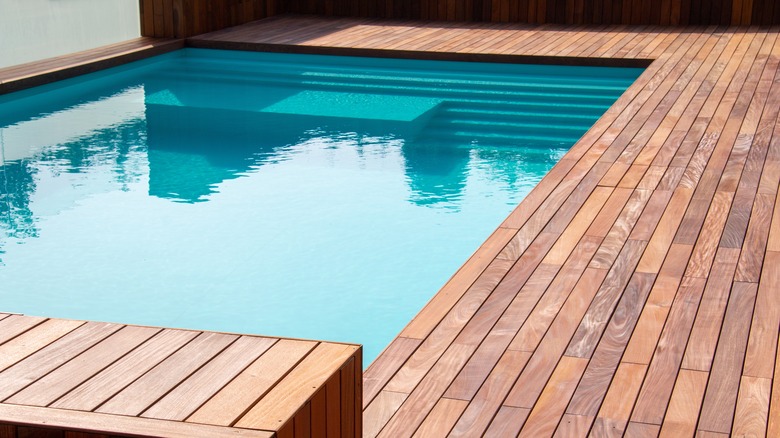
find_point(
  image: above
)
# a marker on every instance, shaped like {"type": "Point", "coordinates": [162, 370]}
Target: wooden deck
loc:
{"type": "Point", "coordinates": [76, 379]}
{"type": "Point", "coordinates": [36, 73]}
{"type": "Point", "coordinates": [634, 291]}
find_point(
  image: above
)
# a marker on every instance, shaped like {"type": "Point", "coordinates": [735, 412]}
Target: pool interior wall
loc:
{"type": "Point", "coordinates": [289, 195]}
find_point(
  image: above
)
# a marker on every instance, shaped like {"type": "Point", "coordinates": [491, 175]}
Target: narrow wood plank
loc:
{"type": "Point", "coordinates": [642, 430]}
{"type": "Point", "coordinates": [92, 393]}
{"type": "Point", "coordinates": [117, 424]}
{"type": "Point", "coordinates": [200, 387]}
{"type": "Point", "coordinates": [442, 418]}
{"type": "Point", "coordinates": [707, 327]}
{"type": "Point", "coordinates": [766, 318]}
{"type": "Point", "coordinates": [592, 388]}
{"type": "Point", "coordinates": [547, 412]}
{"type": "Point", "coordinates": [52, 356]}
{"type": "Point", "coordinates": [717, 411]}
{"type": "Point", "coordinates": [143, 392]}
{"type": "Point", "coordinates": [12, 326]}
{"type": "Point", "coordinates": [655, 393]}
{"type": "Point", "coordinates": [478, 415]}
{"type": "Point", "coordinates": [507, 422]}
{"type": "Point", "coordinates": [615, 411]}
{"type": "Point", "coordinates": [60, 381]}
{"type": "Point", "coordinates": [773, 428]}
{"type": "Point", "coordinates": [529, 385]}
{"type": "Point", "coordinates": [386, 365]}
{"type": "Point", "coordinates": [750, 418]}
{"type": "Point", "coordinates": [33, 340]}
{"type": "Point", "coordinates": [380, 410]}
{"type": "Point", "coordinates": [319, 413]}
{"type": "Point", "coordinates": [683, 410]}
{"type": "Point", "coordinates": [284, 399]}
{"type": "Point", "coordinates": [226, 406]}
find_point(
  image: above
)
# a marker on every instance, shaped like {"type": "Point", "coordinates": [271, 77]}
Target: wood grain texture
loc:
{"type": "Point", "coordinates": [119, 425]}
{"type": "Point", "coordinates": [751, 416]}
{"type": "Point", "coordinates": [683, 410]}
{"type": "Point", "coordinates": [548, 410]}
{"type": "Point", "coordinates": [289, 395]}
{"type": "Point", "coordinates": [773, 426]}
{"type": "Point", "coordinates": [104, 385]}
{"type": "Point", "coordinates": [717, 413]}
{"type": "Point", "coordinates": [227, 405]}
{"type": "Point", "coordinates": [645, 255]}
{"type": "Point", "coordinates": [52, 356]}
{"type": "Point", "coordinates": [62, 380]}
{"type": "Point", "coordinates": [441, 419]}
{"type": "Point", "coordinates": [145, 391]}
{"type": "Point", "coordinates": [202, 385]}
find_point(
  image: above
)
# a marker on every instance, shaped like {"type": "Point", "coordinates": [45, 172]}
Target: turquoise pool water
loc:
{"type": "Point", "coordinates": [289, 195]}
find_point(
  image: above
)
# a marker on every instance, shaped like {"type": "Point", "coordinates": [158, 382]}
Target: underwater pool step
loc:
{"type": "Point", "coordinates": [405, 80]}
{"type": "Point", "coordinates": [500, 112]}
{"type": "Point", "coordinates": [576, 84]}
{"type": "Point", "coordinates": [601, 101]}
{"type": "Point", "coordinates": [512, 118]}
{"type": "Point", "coordinates": [507, 124]}
{"type": "Point", "coordinates": [462, 135]}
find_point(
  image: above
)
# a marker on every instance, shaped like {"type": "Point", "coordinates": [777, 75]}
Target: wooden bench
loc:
{"type": "Point", "coordinates": [65, 378]}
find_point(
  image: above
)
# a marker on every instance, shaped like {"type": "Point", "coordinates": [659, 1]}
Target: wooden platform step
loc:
{"type": "Point", "coordinates": [93, 379]}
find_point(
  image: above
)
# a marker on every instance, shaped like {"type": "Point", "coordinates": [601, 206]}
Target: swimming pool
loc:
{"type": "Point", "coordinates": [289, 195]}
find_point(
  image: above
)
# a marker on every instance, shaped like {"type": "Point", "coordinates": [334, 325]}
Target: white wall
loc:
{"type": "Point", "coordinates": [37, 29]}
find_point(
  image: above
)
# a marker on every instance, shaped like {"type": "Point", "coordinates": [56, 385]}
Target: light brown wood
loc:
{"type": "Point", "coordinates": [231, 402]}
{"type": "Point", "coordinates": [284, 399]}
{"type": "Point", "coordinates": [104, 385]}
{"type": "Point", "coordinates": [33, 340]}
{"type": "Point", "coordinates": [117, 424]}
{"type": "Point", "coordinates": [142, 393]}
{"type": "Point", "coordinates": [62, 380]}
{"type": "Point", "coordinates": [680, 419]}
{"type": "Point", "coordinates": [201, 386]}
{"type": "Point", "coordinates": [66, 373]}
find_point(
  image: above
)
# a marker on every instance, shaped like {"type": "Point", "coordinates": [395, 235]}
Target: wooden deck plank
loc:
{"type": "Point", "coordinates": [142, 393]}
{"type": "Point", "coordinates": [773, 428]}
{"type": "Point", "coordinates": [226, 406]}
{"type": "Point", "coordinates": [190, 394]}
{"type": "Point", "coordinates": [752, 411]}
{"type": "Point", "coordinates": [476, 418]}
{"type": "Point", "coordinates": [117, 424]}
{"type": "Point", "coordinates": [548, 410]}
{"type": "Point", "coordinates": [12, 326]}
{"type": "Point", "coordinates": [441, 419]}
{"type": "Point", "coordinates": [104, 385]}
{"type": "Point", "coordinates": [717, 413]}
{"type": "Point", "coordinates": [683, 410]}
{"type": "Point", "coordinates": [52, 356]}
{"type": "Point", "coordinates": [291, 393]}
{"type": "Point", "coordinates": [60, 381]}
{"type": "Point", "coordinates": [33, 340]}
{"type": "Point", "coordinates": [615, 411]}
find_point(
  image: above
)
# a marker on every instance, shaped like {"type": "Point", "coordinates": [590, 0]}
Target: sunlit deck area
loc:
{"type": "Point", "coordinates": [633, 292]}
{"type": "Point", "coordinates": [90, 380]}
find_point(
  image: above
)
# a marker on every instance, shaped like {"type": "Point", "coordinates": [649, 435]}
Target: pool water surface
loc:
{"type": "Point", "coordinates": [286, 195]}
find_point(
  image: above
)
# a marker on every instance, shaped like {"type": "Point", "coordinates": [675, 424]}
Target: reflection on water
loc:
{"type": "Point", "coordinates": [274, 188]}
{"type": "Point", "coordinates": [189, 151]}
